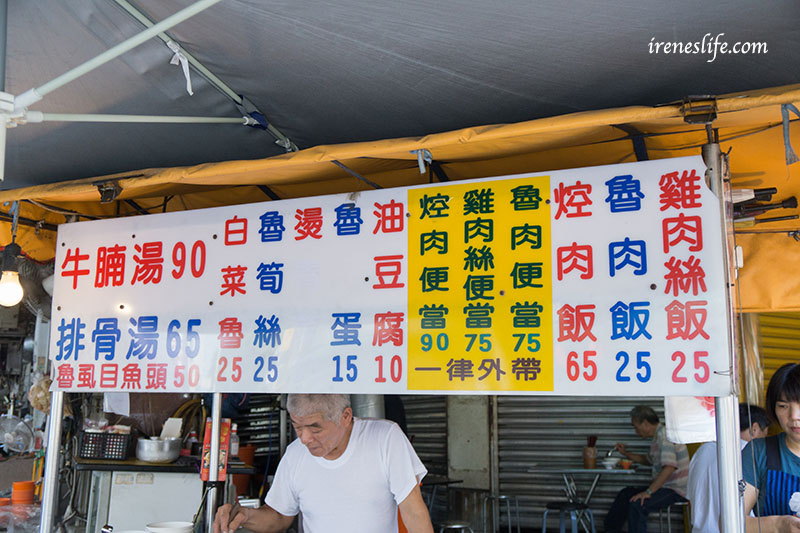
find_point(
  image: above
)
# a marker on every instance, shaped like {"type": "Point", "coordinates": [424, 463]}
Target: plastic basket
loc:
{"type": "Point", "coordinates": [104, 446]}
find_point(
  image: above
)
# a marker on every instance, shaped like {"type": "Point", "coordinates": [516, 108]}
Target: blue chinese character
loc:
{"type": "Point", "coordinates": [267, 332]}
{"type": "Point", "coordinates": [105, 336]}
{"type": "Point", "coordinates": [627, 252]}
{"type": "Point", "coordinates": [629, 321]}
{"type": "Point", "coordinates": [144, 340]}
{"type": "Point", "coordinates": [624, 194]}
{"type": "Point", "coordinates": [272, 227]}
{"type": "Point", "coordinates": [69, 339]}
{"type": "Point", "coordinates": [348, 219]}
{"type": "Point", "coordinates": [345, 328]}
{"type": "Point", "coordinates": [270, 277]}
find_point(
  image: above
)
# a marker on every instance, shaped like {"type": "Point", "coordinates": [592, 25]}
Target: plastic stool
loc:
{"type": "Point", "coordinates": [684, 505]}
{"type": "Point", "coordinates": [455, 526]}
{"type": "Point", "coordinates": [567, 507]}
{"type": "Point", "coordinates": [501, 498]}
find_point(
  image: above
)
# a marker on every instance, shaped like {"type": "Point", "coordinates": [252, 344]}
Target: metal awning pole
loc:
{"type": "Point", "coordinates": [34, 95]}
{"type": "Point", "coordinates": [729, 457]}
{"type": "Point", "coordinates": [213, 461]}
{"type": "Point", "coordinates": [210, 76]}
{"type": "Point", "coordinates": [51, 466]}
{"type": "Point", "coordinates": [33, 117]}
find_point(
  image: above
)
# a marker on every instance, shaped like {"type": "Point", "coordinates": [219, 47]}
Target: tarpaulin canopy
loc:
{"type": "Point", "coordinates": [331, 72]}
{"type": "Point", "coordinates": [750, 127]}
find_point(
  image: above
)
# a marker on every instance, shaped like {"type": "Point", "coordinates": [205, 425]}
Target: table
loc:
{"type": "Point", "coordinates": [571, 489]}
{"type": "Point", "coordinates": [182, 465]}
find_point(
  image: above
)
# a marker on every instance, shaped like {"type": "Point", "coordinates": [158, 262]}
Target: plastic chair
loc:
{"type": "Point", "coordinates": [683, 505]}
{"type": "Point", "coordinates": [575, 511]}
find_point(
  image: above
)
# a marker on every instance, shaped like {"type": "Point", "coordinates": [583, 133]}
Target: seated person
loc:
{"type": "Point", "coordinates": [670, 468]}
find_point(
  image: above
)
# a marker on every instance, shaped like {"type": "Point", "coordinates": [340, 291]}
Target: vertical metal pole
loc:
{"type": "Point", "coordinates": [367, 405]}
{"type": "Point", "coordinates": [729, 457]}
{"type": "Point", "coordinates": [213, 461]}
{"type": "Point", "coordinates": [51, 466]}
{"type": "Point", "coordinates": [3, 42]}
{"type": "Point", "coordinates": [284, 430]}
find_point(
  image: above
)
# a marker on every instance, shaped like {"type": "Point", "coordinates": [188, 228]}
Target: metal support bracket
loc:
{"type": "Point", "coordinates": [699, 109]}
{"type": "Point", "coordinates": [423, 156]}
{"type": "Point", "coordinates": [109, 191]}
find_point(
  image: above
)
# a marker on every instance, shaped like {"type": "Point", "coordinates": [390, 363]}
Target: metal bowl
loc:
{"type": "Point", "coordinates": [157, 450]}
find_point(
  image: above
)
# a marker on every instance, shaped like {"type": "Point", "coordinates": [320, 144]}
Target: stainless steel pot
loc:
{"type": "Point", "coordinates": [157, 450]}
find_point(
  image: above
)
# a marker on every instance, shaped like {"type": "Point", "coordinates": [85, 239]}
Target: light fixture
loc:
{"type": "Point", "coordinates": [10, 288]}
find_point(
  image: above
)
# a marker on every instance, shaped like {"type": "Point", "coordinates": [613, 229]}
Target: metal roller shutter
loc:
{"type": "Point", "coordinates": [426, 419]}
{"type": "Point", "coordinates": [779, 342]}
{"type": "Point", "coordinates": [539, 430]}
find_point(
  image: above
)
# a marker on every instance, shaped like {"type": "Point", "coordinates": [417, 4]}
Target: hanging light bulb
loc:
{"type": "Point", "coordinates": [10, 288]}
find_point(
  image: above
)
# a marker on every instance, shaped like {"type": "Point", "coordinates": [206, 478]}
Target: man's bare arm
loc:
{"type": "Point", "coordinates": [265, 519]}
{"type": "Point", "coordinates": [415, 513]}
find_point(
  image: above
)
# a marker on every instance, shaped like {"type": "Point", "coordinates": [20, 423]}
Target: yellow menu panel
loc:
{"type": "Point", "coordinates": [479, 286]}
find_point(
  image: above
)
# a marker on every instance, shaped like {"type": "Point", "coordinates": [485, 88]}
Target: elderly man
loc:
{"type": "Point", "coordinates": [670, 468]}
{"type": "Point", "coordinates": [344, 474]}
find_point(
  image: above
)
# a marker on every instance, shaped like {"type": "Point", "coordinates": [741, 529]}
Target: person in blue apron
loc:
{"type": "Point", "coordinates": [771, 466]}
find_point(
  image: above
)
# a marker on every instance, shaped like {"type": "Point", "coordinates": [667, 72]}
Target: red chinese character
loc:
{"type": "Point", "coordinates": [235, 231]}
{"type": "Point", "coordinates": [684, 276]}
{"type": "Point", "coordinates": [108, 376]}
{"type": "Point", "coordinates": [110, 266]}
{"type": "Point", "coordinates": [679, 192]}
{"type": "Point", "coordinates": [572, 199]}
{"type": "Point", "coordinates": [575, 258]}
{"type": "Point", "coordinates": [575, 324]}
{"type": "Point", "coordinates": [156, 376]}
{"type": "Point", "coordinates": [131, 376]}
{"type": "Point", "coordinates": [65, 376]}
{"type": "Point", "coordinates": [86, 376]}
{"type": "Point", "coordinates": [683, 229]}
{"type": "Point", "coordinates": [391, 218]}
{"type": "Point", "coordinates": [388, 269]}
{"type": "Point", "coordinates": [230, 333]}
{"type": "Point", "coordinates": [233, 280]}
{"type": "Point", "coordinates": [309, 223]}
{"type": "Point", "coordinates": [74, 258]}
{"type": "Point", "coordinates": [686, 321]}
{"type": "Point", "coordinates": [149, 265]}
{"type": "Point", "coordinates": [388, 328]}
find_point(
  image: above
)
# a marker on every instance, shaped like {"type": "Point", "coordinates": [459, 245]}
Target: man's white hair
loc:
{"type": "Point", "coordinates": [330, 406]}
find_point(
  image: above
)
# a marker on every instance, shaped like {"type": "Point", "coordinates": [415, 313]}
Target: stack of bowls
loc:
{"type": "Point", "coordinates": [22, 492]}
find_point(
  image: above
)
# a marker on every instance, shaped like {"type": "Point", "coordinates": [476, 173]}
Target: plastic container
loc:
{"type": "Point", "coordinates": [169, 527]}
{"type": "Point", "coordinates": [22, 492]}
{"type": "Point", "coordinates": [5, 501]}
{"type": "Point", "coordinates": [23, 486]}
{"type": "Point", "coordinates": [96, 445]}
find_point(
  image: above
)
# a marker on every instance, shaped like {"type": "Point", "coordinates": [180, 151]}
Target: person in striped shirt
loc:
{"type": "Point", "coordinates": [670, 464]}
